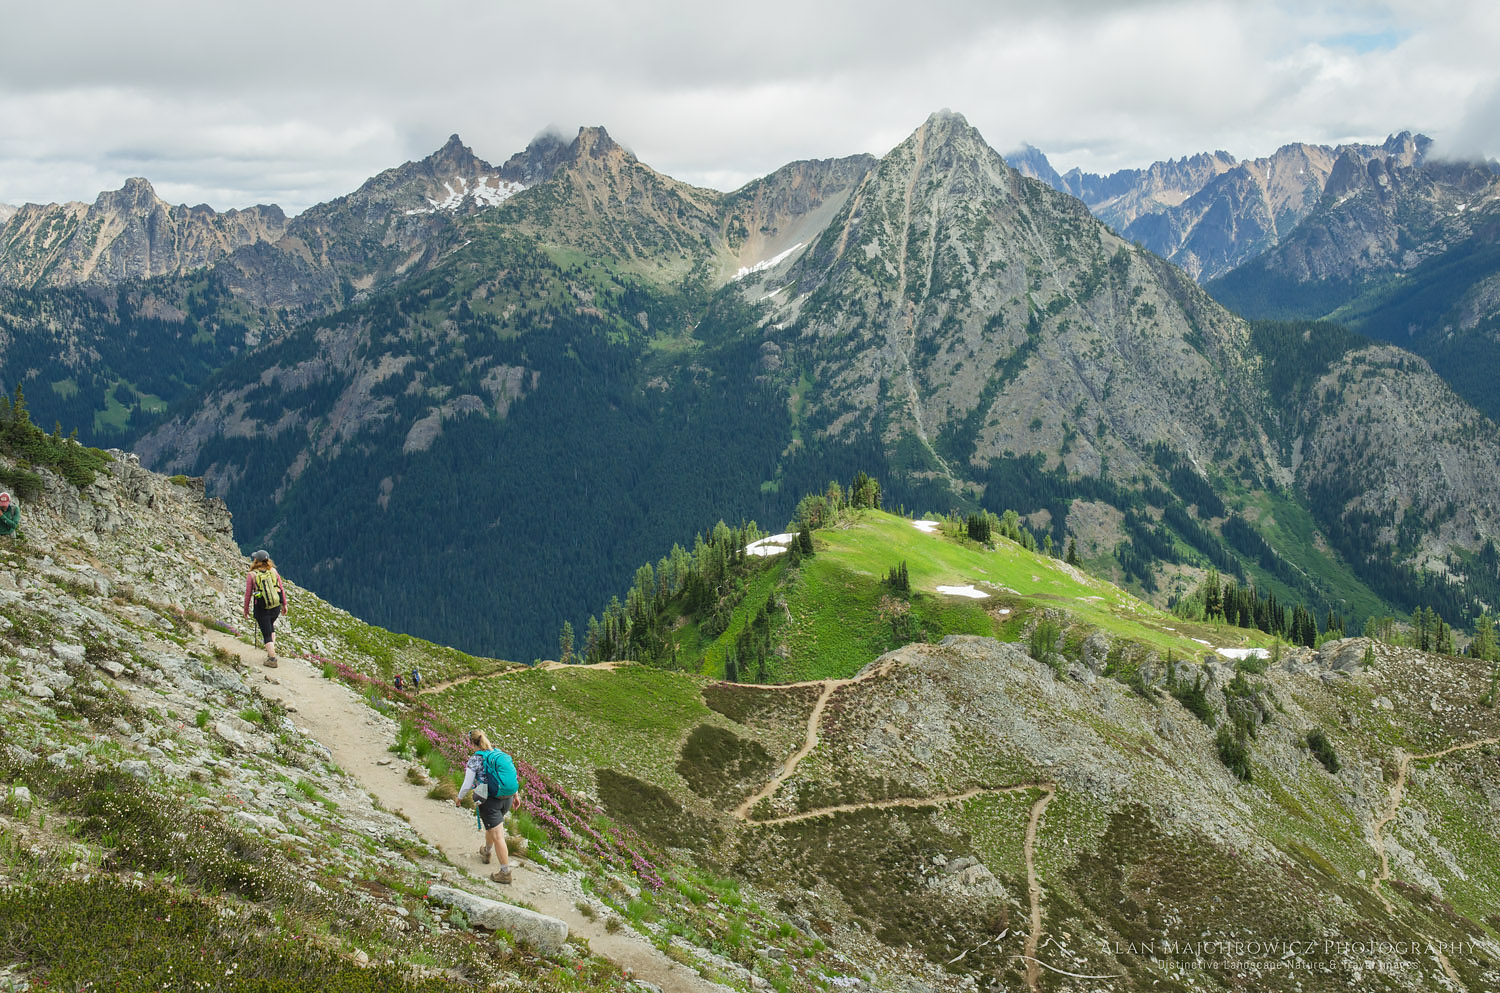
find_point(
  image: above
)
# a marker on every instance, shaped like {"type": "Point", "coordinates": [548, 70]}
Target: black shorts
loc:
{"type": "Point", "coordinates": [493, 810]}
{"type": "Point", "coordinates": [267, 621]}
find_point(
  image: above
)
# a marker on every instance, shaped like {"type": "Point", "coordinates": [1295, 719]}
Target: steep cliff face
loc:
{"type": "Point", "coordinates": [126, 234]}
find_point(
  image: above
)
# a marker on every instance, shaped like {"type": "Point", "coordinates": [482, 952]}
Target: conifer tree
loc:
{"type": "Point", "coordinates": [1483, 645]}
{"type": "Point", "coordinates": [1072, 556]}
{"type": "Point", "coordinates": [565, 643]}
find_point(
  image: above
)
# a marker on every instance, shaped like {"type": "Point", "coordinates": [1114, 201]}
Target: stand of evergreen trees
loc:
{"type": "Point", "coordinates": [1245, 606]}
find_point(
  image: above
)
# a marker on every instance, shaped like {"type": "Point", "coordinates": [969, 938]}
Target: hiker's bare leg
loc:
{"type": "Point", "coordinates": [495, 839]}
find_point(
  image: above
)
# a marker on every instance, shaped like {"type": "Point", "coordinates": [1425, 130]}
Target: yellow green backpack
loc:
{"type": "Point", "coordinates": [266, 591]}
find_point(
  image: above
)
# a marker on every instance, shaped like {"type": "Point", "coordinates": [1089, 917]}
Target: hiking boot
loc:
{"type": "Point", "coordinates": [502, 875]}
{"type": "Point", "coordinates": [270, 662]}
{"type": "Point", "coordinates": [484, 854]}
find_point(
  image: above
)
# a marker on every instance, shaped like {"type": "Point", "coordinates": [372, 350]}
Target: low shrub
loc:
{"type": "Point", "coordinates": [1322, 749]}
{"type": "Point", "coordinates": [1234, 753]}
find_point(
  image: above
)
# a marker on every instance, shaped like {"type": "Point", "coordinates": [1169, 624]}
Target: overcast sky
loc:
{"type": "Point", "coordinates": [295, 103]}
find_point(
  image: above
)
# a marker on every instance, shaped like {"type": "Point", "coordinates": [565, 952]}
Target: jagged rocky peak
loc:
{"type": "Point", "coordinates": [455, 157]}
{"type": "Point", "coordinates": [596, 143]}
{"type": "Point", "coordinates": [135, 195]}
{"type": "Point", "coordinates": [1029, 160]}
{"type": "Point", "coordinates": [538, 161]}
{"type": "Point", "coordinates": [1406, 148]}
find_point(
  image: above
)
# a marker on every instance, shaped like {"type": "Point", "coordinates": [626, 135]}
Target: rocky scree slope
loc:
{"type": "Point", "coordinates": [144, 779]}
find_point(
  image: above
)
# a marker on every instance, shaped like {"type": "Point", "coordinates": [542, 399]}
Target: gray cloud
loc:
{"type": "Point", "coordinates": [298, 102]}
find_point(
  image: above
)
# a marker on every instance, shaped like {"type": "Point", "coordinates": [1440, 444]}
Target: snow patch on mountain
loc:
{"type": "Point", "coordinates": [487, 191]}
{"type": "Point", "coordinates": [767, 264]}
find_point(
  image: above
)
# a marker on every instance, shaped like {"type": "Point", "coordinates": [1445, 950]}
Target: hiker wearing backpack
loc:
{"type": "Point", "coordinates": [10, 516]}
{"type": "Point", "coordinates": [416, 680]}
{"type": "Point", "coordinates": [491, 774]}
{"type": "Point", "coordinates": [263, 585]}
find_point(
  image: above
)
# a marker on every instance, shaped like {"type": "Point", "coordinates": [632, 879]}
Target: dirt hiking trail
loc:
{"type": "Point", "coordinates": [1379, 824]}
{"type": "Point", "coordinates": [359, 739]}
{"type": "Point", "coordinates": [810, 741]}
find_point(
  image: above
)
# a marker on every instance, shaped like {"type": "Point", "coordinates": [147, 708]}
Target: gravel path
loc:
{"type": "Point", "coordinates": [359, 739]}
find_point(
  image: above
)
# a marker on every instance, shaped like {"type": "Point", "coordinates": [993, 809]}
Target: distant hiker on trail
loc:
{"type": "Point", "coordinates": [264, 586]}
{"type": "Point", "coordinates": [399, 685]}
{"type": "Point", "coordinates": [10, 516]}
{"type": "Point", "coordinates": [491, 774]}
{"type": "Point", "coordinates": [416, 680]}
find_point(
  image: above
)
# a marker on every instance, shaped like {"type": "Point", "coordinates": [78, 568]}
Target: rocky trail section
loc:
{"type": "Point", "coordinates": [359, 739]}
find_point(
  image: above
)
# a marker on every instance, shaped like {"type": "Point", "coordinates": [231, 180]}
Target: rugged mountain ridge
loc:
{"type": "Point", "coordinates": [1402, 253]}
{"type": "Point", "coordinates": [1208, 213]}
{"type": "Point", "coordinates": [969, 335]}
{"type": "Point", "coordinates": [125, 234]}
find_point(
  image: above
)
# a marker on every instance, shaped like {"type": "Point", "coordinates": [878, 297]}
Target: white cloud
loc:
{"type": "Point", "coordinates": [299, 102]}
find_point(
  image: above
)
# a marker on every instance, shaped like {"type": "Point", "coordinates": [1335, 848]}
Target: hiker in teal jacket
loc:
{"type": "Point", "coordinates": [491, 810]}
{"type": "Point", "coordinates": [10, 516]}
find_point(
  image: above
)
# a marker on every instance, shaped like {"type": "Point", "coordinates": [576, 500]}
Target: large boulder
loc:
{"type": "Point", "coordinates": [546, 934]}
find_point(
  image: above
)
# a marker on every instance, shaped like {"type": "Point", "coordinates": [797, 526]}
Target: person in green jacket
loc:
{"type": "Point", "coordinates": [10, 516]}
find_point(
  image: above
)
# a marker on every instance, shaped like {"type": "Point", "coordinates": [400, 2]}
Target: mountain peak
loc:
{"type": "Point", "coordinates": [595, 143]}
{"type": "Point", "coordinates": [946, 125]}
{"type": "Point", "coordinates": [1029, 160]}
{"type": "Point", "coordinates": [454, 158]}
{"type": "Point", "coordinates": [135, 194]}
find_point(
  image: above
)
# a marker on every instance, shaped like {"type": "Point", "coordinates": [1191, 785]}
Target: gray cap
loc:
{"type": "Point", "coordinates": [261, 555]}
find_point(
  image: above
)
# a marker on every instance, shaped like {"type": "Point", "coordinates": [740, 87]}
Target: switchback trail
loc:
{"type": "Point", "coordinates": [810, 741]}
{"type": "Point", "coordinates": [1398, 794]}
{"type": "Point", "coordinates": [359, 739]}
{"type": "Point", "coordinates": [1378, 825]}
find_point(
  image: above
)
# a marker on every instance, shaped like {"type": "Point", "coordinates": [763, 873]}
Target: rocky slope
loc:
{"type": "Point", "coordinates": [966, 815]}
{"type": "Point", "coordinates": [968, 312]}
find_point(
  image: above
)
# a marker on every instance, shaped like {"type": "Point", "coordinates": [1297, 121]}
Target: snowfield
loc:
{"type": "Point", "coordinates": [771, 545]}
{"type": "Point", "coordinates": [968, 591]}
{"type": "Point", "coordinates": [763, 266]}
{"type": "Point", "coordinates": [487, 191]}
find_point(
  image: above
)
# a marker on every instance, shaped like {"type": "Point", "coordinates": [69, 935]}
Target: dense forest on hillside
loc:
{"type": "Point", "coordinates": [107, 362]}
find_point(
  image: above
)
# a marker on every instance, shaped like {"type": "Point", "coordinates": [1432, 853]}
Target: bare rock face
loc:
{"type": "Point", "coordinates": [128, 233]}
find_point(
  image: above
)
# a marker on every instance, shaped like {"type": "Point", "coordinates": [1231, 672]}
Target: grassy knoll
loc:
{"type": "Point", "coordinates": [842, 615]}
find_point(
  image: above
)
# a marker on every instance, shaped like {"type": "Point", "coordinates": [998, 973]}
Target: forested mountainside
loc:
{"type": "Point", "coordinates": [1209, 213]}
{"type": "Point", "coordinates": [563, 403]}
{"type": "Point", "coordinates": [603, 361]}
